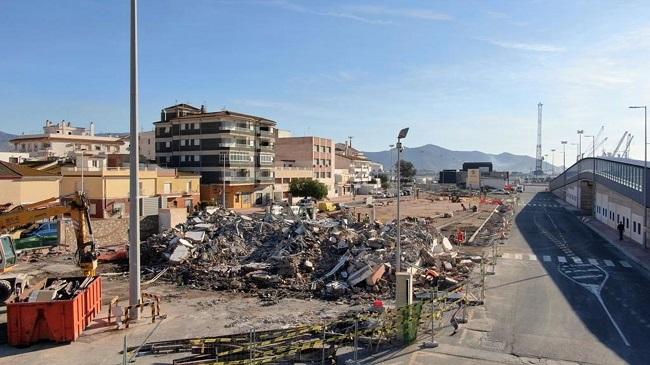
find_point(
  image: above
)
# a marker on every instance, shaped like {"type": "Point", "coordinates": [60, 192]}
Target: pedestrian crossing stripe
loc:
{"type": "Point", "coordinates": [565, 259]}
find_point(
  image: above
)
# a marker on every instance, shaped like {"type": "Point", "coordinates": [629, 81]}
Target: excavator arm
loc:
{"type": "Point", "coordinates": [76, 209]}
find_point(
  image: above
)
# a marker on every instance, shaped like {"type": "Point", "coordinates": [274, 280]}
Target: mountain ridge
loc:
{"type": "Point", "coordinates": [436, 158]}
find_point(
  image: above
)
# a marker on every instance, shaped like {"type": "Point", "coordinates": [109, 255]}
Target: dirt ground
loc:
{"type": "Point", "coordinates": [194, 313]}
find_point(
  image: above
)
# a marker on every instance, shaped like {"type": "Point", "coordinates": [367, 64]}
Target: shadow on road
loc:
{"type": "Point", "coordinates": [553, 231]}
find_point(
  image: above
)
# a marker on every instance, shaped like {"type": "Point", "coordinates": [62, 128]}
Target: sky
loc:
{"type": "Point", "coordinates": [465, 75]}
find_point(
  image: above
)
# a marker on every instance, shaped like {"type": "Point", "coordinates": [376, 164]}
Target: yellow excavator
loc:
{"type": "Point", "coordinates": [76, 208]}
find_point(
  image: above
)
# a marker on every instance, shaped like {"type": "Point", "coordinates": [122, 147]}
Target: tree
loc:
{"type": "Point", "coordinates": [384, 180]}
{"type": "Point", "coordinates": [308, 188]}
{"type": "Point", "coordinates": [406, 169]}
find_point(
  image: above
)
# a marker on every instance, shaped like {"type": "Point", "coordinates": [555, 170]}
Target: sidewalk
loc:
{"type": "Point", "coordinates": [634, 251]}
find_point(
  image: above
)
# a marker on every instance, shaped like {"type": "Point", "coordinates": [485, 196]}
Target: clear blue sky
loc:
{"type": "Point", "coordinates": [462, 74]}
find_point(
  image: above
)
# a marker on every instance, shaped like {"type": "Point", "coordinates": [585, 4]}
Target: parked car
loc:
{"type": "Point", "coordinates": [500, 192]}
{"type": "Point", "coordinates": [520, 189]}
{"type": "Point", "coordinates": [47, 229]}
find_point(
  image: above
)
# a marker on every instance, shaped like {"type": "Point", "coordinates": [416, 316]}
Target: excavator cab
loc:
{"type": "Point", "coordinates": [7, 253]}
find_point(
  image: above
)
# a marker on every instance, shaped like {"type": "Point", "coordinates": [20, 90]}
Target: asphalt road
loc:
{"type": "Point", "coordinates": [561, 294]}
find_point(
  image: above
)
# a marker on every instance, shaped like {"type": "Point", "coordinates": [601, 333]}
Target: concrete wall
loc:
{"type": "Point", "coordinates": [612, 207]}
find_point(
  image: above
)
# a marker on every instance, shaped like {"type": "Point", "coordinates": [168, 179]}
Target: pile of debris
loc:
{"type": "Point", "coordinates": [273, 255]}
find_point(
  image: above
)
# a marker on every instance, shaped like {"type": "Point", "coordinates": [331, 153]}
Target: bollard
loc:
{"type": "Point", "coordinates": [433, 343]}
{"type": "Point", "coordinates": [124, 352]}
{"type": "Point", "coordinates": [463, 303]}
{"type": "Point", "coordinates": [322, 359]}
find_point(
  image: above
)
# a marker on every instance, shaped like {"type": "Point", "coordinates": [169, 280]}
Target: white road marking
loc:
{"type": "Point", "coordinates": [609, 263]}
{"type": "Point", "coordinates": [561, 259]}
{"type": "Point", "coordinates": [625, 264]}
{"type": "Point", "coordinates": [593, 261]}
{"type": "Point", "coordinates": [586, 277]}
{"type": "Point", "coordinates": [518, 256]}
{"type": "Point", "coordinates": [532, 257]}
{"type": "Point", "coordinates": [547, 258]}
{"type": "Point", "coordinates": [577, 260]}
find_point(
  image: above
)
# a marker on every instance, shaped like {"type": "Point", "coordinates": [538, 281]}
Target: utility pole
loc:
{"type": "Point", "coordinates": [134, 222]}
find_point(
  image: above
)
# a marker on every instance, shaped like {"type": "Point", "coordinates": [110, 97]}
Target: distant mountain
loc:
{"type": "Point", "coordinates": [436, 158]}
{"type": "Point", "coordinates": [4, 142]}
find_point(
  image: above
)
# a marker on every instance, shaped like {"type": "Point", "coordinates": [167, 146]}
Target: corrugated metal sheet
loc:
{"type": "Point", "coordinates": [149, 206]}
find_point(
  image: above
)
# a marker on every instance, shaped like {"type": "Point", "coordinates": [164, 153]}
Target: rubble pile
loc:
{"type": "Point", "coordinates": [275, 256]}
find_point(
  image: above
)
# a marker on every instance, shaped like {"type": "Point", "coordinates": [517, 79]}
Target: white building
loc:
{"type": "Point", "coordinates": [60, 140]}
{"type": "Point", "coordinates": [147, 145]}
{"type": "Point", "coordinates": [13, 157]}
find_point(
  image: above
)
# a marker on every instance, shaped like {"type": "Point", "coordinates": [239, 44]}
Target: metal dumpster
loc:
{"type": "Point", "coordinates": [58, 320]}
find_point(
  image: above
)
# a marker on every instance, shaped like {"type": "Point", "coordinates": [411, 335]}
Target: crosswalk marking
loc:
{"type": "Point", "coordinates": [583, 265]}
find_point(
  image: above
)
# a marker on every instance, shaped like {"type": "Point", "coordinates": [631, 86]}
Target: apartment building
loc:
{"type": "Point", "coordinates": [147, 145]}
{"type": "Point", "coordinates": [61, 140]}
{"type": "Point", "coordinates": [224, 147]}
{"type": "Point", "coordinates": [107, 188]}
{"type": "Point", "coordinates": [285, 175]}
{"type": "Point", "coordinates": [308, 152]}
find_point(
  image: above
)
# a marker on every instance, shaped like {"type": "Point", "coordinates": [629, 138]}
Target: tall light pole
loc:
{"type": "Point", "coordinates": [564, 155]}
{"type": "Point", "coordinates": [580, 132]}
{"type": "Point", "coordinates": [392, 165]}
{"type": "Point", "coordinates": [645, 172]}
{"type": "Point", "coordinates": [564, 165]}
{"type": "Point", "coordinates": [553, 161]}
{"type": "Point", "coordinates": [134, 222]}
{"type": "Point", "coordinates": [223, 188]}
{"type": "Point", "coordinates": [402, 134]}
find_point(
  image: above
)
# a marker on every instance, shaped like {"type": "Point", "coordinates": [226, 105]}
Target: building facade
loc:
{"type": "Point", "coordinates": [61, 140]}
{"type": "Point", "coordinates": [107, 188]}
{"type": "Point", "coordinates": [147, 145]}
{"type": "Point", "coordinates": [23, 185]}
{"type": "Point", "coordinates": [283, 178]}
{"type": "Point", "coordinates": [226, 148]}
{"type": "Point", "coordinates": [308, 152]}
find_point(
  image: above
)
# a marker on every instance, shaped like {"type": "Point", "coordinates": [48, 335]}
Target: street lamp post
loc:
{"type": "Point", "coordinates": [580, 132]}
{"type": "Point", "coordinates": [392, 165]}
{"type": "Point", "coordinates": [553, 162]}
{"type": "Point", "coordinates": [402, 134]}
{"type": "Point", "coordinates": [223, 187]}
{"type": "Point", "coordinates": [134, 221]}
{"type": "Point", "coordinates": [564, 165]}
{"type": "Point", "coordinates": [645, 172]}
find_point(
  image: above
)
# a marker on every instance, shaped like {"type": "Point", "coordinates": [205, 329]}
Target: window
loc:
{"type": "Point", "coordinates": [167, 188]}
{"type": "Point", "coordinates": [315, 175]}
{"type": "Point", "coordinates": [627, 223]}
{"type": "Point", "coordinates": [265, 158]}
{"type": "Point", "coordinates": [188, 186]}
{"type": "Point", "coordinates": [197, 142]}
{"type": "Point", "coordinates": [197, 158]}
{"type": "Point", "coordinates": [315, 162]}
{"type": "Point", "coordinates": [322, 175]}
{"type": "Point", "coordinates": [329, 174]}
{"type": "Point", "coordinates": [167, 144]}
{"type": "Point", "coordinates": [239, 157]}
{"type": "Point", "coordinates": [183, 141]}
{"type": "Point", "coordinates": [329, 149]}
{"type": "Point", "coordinates": [315, 148]}
{"type": "Point", "coordinates": [182, 127]}
{"type": "Point", "coordinates": [97, 147]}
{"type": "Point", "coordinates": [95, 163]}
{"type": "Point", "coordinates": [322, 162]}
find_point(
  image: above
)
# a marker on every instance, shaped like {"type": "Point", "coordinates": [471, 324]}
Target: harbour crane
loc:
{"type": "Point", "coordinates": [618, 146]}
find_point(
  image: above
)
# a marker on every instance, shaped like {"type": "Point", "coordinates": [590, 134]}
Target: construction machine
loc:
{"type": "Point", "coordinates": [76, 209]}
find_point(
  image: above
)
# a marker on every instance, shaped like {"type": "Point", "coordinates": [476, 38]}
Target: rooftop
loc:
{"type": "Point", "coordinates": [12, 170]}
